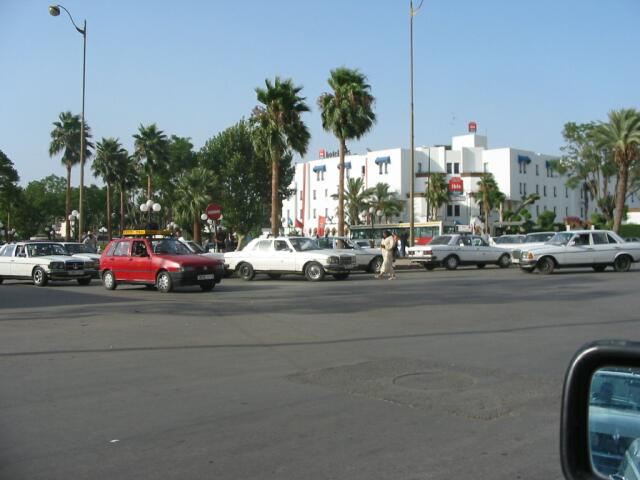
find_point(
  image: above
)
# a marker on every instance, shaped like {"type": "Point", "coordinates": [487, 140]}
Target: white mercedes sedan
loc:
{"type": "Point", "coordinates": [597, 249]}
{"type": "Point", "coordinates": [285, 255]}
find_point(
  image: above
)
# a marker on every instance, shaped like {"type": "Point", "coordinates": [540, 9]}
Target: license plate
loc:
{"type": "Point", "coordinates": [209, 276]}
{"type": "Point", "coordinates": [76, 272]}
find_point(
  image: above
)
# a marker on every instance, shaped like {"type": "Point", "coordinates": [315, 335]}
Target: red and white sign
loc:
{"type": "Point", "coordinates": [456, 186]}
{"type": "Point", "coordinates": [322, 152]}
{"type": "Point", "coordinates": [213, 211]}
{"type": "Point", "coordinates": [473, 127]}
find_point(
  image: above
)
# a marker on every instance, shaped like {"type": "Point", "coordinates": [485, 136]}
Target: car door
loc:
{"type": "Point", "coordinates": [118, 262]}
{"type": "Point", "coordinates": [22, 264]}
{"type": "Point", "coordinates": [7, 260]}
{"type": "Point", "coordinates": [578, 251]}
{"type": "Point", "coordinates": [262, 256]}
{"type": "Point", "coordinates": [482, 252]}
{"type": "Point", "coordinates": [603, 251]}
{"type": "Point", "coordinates": [467, 251]}
{"type": "Point", "coordinates": [140, 262]}
{"type": "Point", "coordinates": [284, 258]}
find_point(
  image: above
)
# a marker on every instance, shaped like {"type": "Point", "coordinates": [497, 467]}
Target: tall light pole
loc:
{"type": "Point", "coordinates": [54, 10]}
{"type": "Point", "coordinates": [412, 13]}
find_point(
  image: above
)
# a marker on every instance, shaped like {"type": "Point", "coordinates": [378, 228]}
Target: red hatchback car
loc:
{"type": "Point", "coordinates": [163, 262]}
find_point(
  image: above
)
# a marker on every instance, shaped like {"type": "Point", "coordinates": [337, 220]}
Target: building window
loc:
{"type": "Point", "coordinates": [314, 213]}
{"type": "Point", "coordinates": [537, 189]}
{"type": "Point", "coordinates": [555, 192]}
{"type": "Point", "coordinates": [537, 171]}
{"type": "Point", "coordinates": [566, 192]}
{"type": "Point", "coordinates": [566, 211]}
{"type": "Point", "coordinates": [544, 190]}
{"type": "Point", "coordinates": [364, 170]}
{"type": "Point", "coordinates": [581, 212]}
{"type": "Point", "coordinates": [301, 194]}
{"type": "Point", "coordinates": [317, 176]}
{"type": "Point", "coordinates": [519, 167]}
{"type": "Point", "coordinates": [314, 194]}
{"type": "Point", "coordinates": [419, 167]}
{"type": "Point", "coordinates": [554, 210]}
{"type": "Point", "coordinates": [453, 210]}
{"type": "Point", "coordinates": [326, 193]}
{"type": "Point", "coordinates": [379, 169]}
{"type": "Point", "coordinates": [524, 188]}
{"type": "Point", "coordinates": [456, 167]}
{"type": "Point", "coordinates": [386, 168]}
{"type": "Point", "coordinates": [537, 210]}
{"type": "Point", "coordinates": [520, 187]}
{"type": "Point", "coordinates": [485, 167]}
{"type": "Point", "coordinates": [545, 208]}
{"type": "Point", "coordinates": [449, 168]}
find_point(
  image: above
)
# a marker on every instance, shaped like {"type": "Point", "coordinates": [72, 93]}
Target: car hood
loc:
{"type": "Point", "coordinates": [55, 258]}
{"type": "Point", "coordinates": [191, 260]}
{"type": "Point", "coordinates": [87, 256]}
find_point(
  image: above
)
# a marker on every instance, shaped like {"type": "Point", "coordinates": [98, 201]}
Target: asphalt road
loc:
{"type": "Point", "coordinates": [435, 375]}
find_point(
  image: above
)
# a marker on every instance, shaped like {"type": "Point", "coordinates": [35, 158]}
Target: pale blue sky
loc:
{"type": "Point", "coordinates": [519, 68]}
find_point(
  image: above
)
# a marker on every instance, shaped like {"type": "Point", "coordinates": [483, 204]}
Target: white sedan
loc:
{"type": "Point", "coordinates": [41, 262]}
{"type": "Point", "coordinates": [282, 255]}
{"type": "Point", "coordinates": [597, 249]}
{"type": "Point", "coordinates": [514, 244]}
{"type": "Point", "coordinates": [450, 251]}
{"type": "Point", "coordinates": [367, 259]}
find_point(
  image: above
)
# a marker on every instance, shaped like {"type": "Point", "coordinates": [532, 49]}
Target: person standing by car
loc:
{"type": "Point", "coordinates": [387, 246]}
{"type": "Point", "coordinates": [404, 237]}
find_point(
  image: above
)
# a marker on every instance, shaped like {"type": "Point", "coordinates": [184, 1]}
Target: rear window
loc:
{"type": "Point", "coordinates": [443, 240]}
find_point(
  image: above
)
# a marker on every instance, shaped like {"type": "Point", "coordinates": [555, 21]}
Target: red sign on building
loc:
{"type": "Point", "coordinates": [456, 186]}
{"type": "Point", "coordinates": [322, 153]}
{"type": "Point", "coordinates": [473, 127]}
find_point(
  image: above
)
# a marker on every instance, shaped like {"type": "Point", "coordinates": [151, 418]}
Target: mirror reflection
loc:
{"type": "Point", "coordinates": [614, 423]}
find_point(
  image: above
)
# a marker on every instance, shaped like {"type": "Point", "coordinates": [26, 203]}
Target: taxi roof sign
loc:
{"type": "Point", "coordinates": [146, 233]}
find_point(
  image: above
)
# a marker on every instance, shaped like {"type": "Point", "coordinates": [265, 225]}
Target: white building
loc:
{"type": "Point", "coordinates": [518, 173]}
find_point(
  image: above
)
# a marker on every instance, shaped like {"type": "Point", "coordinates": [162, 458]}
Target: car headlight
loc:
{"type": "Point", "coordinates": [56, 265]}
{"type": "Point", "coordinates": [187, 268]}
{"type": "Point", "coordinates": [92, 264]}
{"type": "Point", "coordinates": [530, 256]}
{"type": "Point", "coordinates": [333, 260]}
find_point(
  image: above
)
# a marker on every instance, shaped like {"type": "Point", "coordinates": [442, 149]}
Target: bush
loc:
{"type": "Point", "coordinates": [630, 230]}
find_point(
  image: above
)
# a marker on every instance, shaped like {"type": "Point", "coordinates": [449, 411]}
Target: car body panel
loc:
{"type": "Point", "coordinates": [469, 250]}
{"type": "Point", "coordinates": [364, 255]}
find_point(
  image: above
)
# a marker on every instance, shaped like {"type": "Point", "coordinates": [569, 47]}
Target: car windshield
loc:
{"type": "Point", "coordinates": [538, 237]}
{"type": "Point", "coordinates": [617, 389]}
{"type": "Point", "coordinates": [304, 244]}
{"type": "Point", "coordinates": [561, 238]}
{"type": "Point", "coordinates": [43, 249]}
{"type": "Point", "coordinates": [195, 247]}
{"type": "Point", "coordinates": [509, 239]}
{"type": "Point", "coordinates": [74, 248]}
{"type": "Point", "coordinates": [170, 247]}
{"type": "Point", "coordinates": [443, 240]}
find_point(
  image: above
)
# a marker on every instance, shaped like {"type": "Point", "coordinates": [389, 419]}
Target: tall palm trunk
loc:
{"type": "Point", "coordinates": [275, 180]}
{"type": "Point", "coordinates": [196, 229]}
{"type": "Point", "coordinates": [343, 147]}
{"type": "Point", "coordinates": [121, 211]}
{"type": "Point", "coordinates": [68, 205]}
{"type": "Point", "coordinates": [109, 211]}
{"type": "Point", "coordinates": [148, 186]}
{"type": "Point", "coordinates": [621, 193]}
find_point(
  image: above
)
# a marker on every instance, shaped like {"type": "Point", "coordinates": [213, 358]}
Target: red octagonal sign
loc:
{"type": "Point", "coordinates": [214, 212]}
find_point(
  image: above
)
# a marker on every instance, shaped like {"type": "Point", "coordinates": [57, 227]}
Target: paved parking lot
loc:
{"type": "Point", "coordinates": [434, 375]}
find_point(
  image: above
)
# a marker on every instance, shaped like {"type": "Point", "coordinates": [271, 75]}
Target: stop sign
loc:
{"type": "Point", "coordinates": [214, 212]}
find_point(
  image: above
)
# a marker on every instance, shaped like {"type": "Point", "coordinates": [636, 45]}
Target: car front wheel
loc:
{"type": "Point", "coordinates": [504, 261]}
{"type": "Point", "coordinates": [375, 265]}
{"type": "Point", "coordinates": [109, 280]}
{"type": "Point", "coordinates": [246, 272]}
{"type": "Point", "coordinates": [40, 278]}
{"type": "Point", "coordinates": [451, 263]}
{"type": "Point", "coordinates": [622, 263]}
{"type": "Point", "coordinates": [164, 283]}
{"type": "Point", "coordinates": [314, 272]}
{"type": "Point", "coordinates": [546, 265]}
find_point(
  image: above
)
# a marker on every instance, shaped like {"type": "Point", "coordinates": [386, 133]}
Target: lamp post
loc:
{"type": "Point", "coordinates": [54, 10]}
{"type": "Point", "coordinates": [72, 222]}
{"type": "Point", "coordinates": [148, 207]}
{"type": "Point", "coordinates": [412, 13]}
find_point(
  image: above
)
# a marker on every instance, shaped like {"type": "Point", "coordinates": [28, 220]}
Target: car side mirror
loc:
{"type": "Point", "coordinates": [572, 243]}
{"type": "Point", "coordinates": [600, 418]}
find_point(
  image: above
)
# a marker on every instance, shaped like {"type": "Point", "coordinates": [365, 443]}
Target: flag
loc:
{"type": "Point", "coordinates": [299, 224]}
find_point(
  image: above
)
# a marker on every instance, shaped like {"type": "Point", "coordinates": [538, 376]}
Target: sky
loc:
{"type": "Point", "coordinates": [520, 69]}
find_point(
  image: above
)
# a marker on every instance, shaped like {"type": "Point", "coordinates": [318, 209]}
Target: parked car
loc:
{"type": "Point", "coordinates": [450, 251]}
{"type": "Point", "coordinates": [632, 239]}
{"type": "Point", "coordinates": [197, 249]}
{"type": "Point", "coordinates": [597, 249]}
{"type": "Point", "coordinates": [86, 252]}
{"type": "Point", "coordinates": [529, 240]}
{"type": "Point", "coordinates": [367, 258]}
{"type": "Point", "coordinates": [284, 255]}
{"type": "Point", "coordinates": [163, 262]}
{"type": "Point", "coordinates": [42, 262]}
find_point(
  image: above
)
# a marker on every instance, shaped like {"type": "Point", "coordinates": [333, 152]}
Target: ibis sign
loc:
{"type": "Point", "coordinates": [456, 186]}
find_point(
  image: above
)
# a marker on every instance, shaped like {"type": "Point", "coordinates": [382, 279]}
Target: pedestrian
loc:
{"type": "Point", "coordinates": [403, 243]}
{"type": "Point", "coordinates": [220, 239]}
{"type": "Point", "coordinates": [91, 240]}
{"type": "Point", "coordinates": [396, 245]}
{"type": "Point", "coordinates": [387, 246]}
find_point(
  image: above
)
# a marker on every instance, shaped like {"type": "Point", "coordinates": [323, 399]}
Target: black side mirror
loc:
{"type": "Point", "coordinates": [600, 419]}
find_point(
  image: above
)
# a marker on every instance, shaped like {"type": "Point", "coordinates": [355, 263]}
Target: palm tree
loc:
{"type": "Point", "coordinates": [621, 135]}
{"type": "Point", "coordinates": [356, 199]}
{"type": "Point", "coordinates": [386, 201]}
{"type": "Point", "coordinates": [65, 137]}
{"type": "Point", "coordinates": [193, 190]}
{"type": "Point", "coordinates": [437, 192]}
{"type": "Point", "coordinates": [126, 180]}
{"type": "Point", "coordinates": [488, 196]}
{"type": "Point", "coordinates": [278, 129]}
{"type": "Point", "coordinates": [151, 145]}
{"type": "Point", "coordinates": [109, 154]}
{"type": "Point", "coordinates": [347, 112]}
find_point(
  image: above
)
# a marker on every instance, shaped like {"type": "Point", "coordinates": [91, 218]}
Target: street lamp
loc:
{"type": "Point", "coordinates": [72, 222]}
{"type": "Point", "coordinates": [412, 12]}
{"type": "Point", "coordinates": [54, 10]}
{"type": "Point", "coordinates": [148, 207]}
